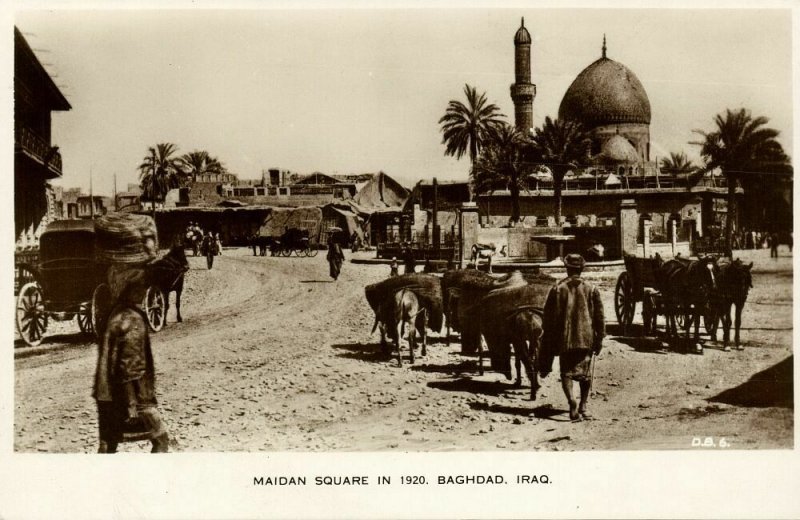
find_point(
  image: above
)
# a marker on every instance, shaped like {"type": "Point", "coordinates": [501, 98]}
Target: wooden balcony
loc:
{"type": "Point", "coordinates": [28, 143]}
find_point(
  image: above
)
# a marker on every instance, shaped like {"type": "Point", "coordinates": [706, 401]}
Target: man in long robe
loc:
{"type": "Point", "coordinates": [574, 327]}
{"type": "Point", "coordinates": [335, 257]}
{"type": "Point", "coordinates": [124, 386]}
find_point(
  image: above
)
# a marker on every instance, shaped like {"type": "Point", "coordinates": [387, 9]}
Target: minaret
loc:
{"type": "Point", "coordinates": [523, 91]}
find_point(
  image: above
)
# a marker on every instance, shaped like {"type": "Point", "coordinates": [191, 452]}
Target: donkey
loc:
{"type": "Point", "coordinates": [398, 311]}
{"type": "Point", "coordinates": [686, 287]}
{"type": "Point", "coordinates": [734, 282]}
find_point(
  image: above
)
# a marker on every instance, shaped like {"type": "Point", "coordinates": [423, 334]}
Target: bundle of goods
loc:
{"type": "Point", "coordinates": [498, 310]}
{"type": "Point", "coordinates": [452, 281]}
{"type": "Point", "coordinates": [470, 306]}
{"type": "Point", "coordinates": [126, 238]}
{"type": "Point", "coordinates": [426, 287]}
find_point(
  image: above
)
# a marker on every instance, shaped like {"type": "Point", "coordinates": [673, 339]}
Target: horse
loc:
{"type": "Point", "coordinates": [167, 274]}
{"type": "Point", "coordinates": [734, 281]}
{"type": "Point", "coordinates": [485, 251]}
{"type": "Point", "coordinates": [686, 287]}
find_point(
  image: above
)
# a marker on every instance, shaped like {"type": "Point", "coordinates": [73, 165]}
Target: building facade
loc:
{"type": "Point", "coordinates": [36, 160]}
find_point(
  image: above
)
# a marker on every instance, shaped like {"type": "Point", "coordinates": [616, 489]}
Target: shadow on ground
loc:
{"type": "Point", "coordinates": [317, 281]}
{"type": "Point", "coordinates": [362, 351]}
{"type": "Point", "coordinates": [77, 338]}
{"type": "Point", "coordinates": [466, 384]}
{"type": "Point", "coordinates": [545, 411]}
{"type": "Point", "coordinates": [469, 366]}
{"type": "Point", "coordinates": [770, 387]}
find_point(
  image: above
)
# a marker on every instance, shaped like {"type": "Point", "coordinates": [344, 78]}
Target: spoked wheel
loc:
{"type": "Point", "coordinates": [100, 309]}
{"type": "Point", "coordinates": [624, 302]}
{"type": "Point", "coordinates": [31, 317]}
{"type": "Point", "coordinates": [312, 252]}
{"type": "Point", "coordinates": [301, 251]}
{"type": "Point", "coordinates": [154, 307]}
{"type": "Point", "coordinates": [85, 318]}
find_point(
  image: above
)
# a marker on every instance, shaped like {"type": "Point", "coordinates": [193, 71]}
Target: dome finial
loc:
{"type": "Point", "coordinates": [604, 45]}
{"type": "Point", "coordinates": [523, 21]}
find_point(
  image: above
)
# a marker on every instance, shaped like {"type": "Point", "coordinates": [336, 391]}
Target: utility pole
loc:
{"type": "Point", "coordinates": [91, 195]}
{"type": "Point", "coordinates": [153, 187]}
{"type": "Point", "coordinates": [116, 208]}
{"type": "Point", "coordinates": [436, 238]}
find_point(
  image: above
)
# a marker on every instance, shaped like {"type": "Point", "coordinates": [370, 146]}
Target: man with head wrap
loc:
{"type": "Point", "coordinates": [124, 386]}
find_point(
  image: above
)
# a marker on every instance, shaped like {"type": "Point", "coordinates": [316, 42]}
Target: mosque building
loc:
{"type": "Point", "coordinates": [612, 105]}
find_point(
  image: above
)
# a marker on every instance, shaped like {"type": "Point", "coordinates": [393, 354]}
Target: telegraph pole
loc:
{"type": "Point", "coordinates": [91, 195]}
{"type": "Point", "coordinates": [153, 187]}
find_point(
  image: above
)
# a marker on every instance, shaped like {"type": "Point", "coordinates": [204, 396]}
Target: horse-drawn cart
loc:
{"type": "Point", "coordinates": [297, 240]}
{"type": "Point", "coordinates": [639, 283]}
{"type": "Point", "coordinates": [69, 281]}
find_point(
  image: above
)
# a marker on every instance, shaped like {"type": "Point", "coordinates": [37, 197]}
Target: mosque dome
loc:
{"type": "Point", "coordinates": [522, 37]}
{"type": "Point", "coordinates": [605, 93]}
{"type": "Point", "coordinates": [617, 149]}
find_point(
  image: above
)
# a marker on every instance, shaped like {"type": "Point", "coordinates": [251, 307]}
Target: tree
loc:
{"type": "Point", "coordinates": [200, 162]}
{"type": "Point", "coordinates": [677, 163]}
{"type": "Point", "coordinates": [160, 172]}
{"type": "Point", "coordinates": [503, 165]}
{"type": "Point", "coordinates": [740, 146]}
{"type": "Point", "coordinates": [560, 146]}
{"type": "Point", "coordinates": [467, 128]}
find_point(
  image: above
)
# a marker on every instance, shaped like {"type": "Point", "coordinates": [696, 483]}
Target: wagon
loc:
{"type": "Point", "coordinates": [70, 282]}
{"type": "Point", "coordinates": [297, 241]}
{"type": "Point", "coordinates": [638, 284]}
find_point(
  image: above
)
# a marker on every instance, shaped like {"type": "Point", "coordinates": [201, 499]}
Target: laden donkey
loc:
{"type": "Point", "coordinates": [401, 310]}
{"type": "Point", "coordinates": [512, 319]}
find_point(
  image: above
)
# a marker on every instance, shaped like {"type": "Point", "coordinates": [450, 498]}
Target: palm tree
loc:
{"type": "Point", "coordinates": [467, 128]}
{"type": "Point", "coordinates": [160, 172]}
{"type": "Point", "coordinates": [199, 162]}
{"type": "Point", "coordinates": [740, 146]}
{"type": "Point", "coordinates": [560, 146]}
{"type": "Point", "coordinates": [677, 163]}
{"type": "Point", "coordinates": [503, 165]}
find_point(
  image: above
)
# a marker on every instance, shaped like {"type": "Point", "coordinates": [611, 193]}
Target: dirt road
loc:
{"type": "Point", "coordinates": [272, 356]}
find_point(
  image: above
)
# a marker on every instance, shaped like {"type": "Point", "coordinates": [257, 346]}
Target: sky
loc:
{"type": "Point", "coordinates": [353, 91]}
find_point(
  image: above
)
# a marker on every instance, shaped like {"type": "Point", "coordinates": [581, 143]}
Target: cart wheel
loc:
{"type": "Point", "coordinates": [85, 318]}
{"type": "Point", "coordinates": [31, 316]}
{"type": "Point", "coordinates": [154, 307]}
{"type": "Point", "coordinates": [301, 251]}
{"type": "Point", "coordinates": [100, 309]}
{"type": "Point", "coordinates": [312, 252]}
{"type": "Point", "coordinates": [624, 303]}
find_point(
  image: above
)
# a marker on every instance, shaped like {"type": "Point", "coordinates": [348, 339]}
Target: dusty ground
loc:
{"type": "Point", "coordinates": [272, 355]}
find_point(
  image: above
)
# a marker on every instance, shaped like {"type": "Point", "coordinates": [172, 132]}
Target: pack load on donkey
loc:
{"type": "Point", "coordinates": [472, 289]}
{"type": "Point", "coordinates": [426, 287]}
{"type": "Point", "coordinates": [512, 317]}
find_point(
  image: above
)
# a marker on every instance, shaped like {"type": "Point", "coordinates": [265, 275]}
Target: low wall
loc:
{"type": "Point", "coordinates": [664, 249]}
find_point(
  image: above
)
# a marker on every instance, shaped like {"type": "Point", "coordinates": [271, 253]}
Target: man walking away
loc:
{"type": "Point", "coordinates": [124, 386]}
{"type": "Point", "coordinates": [335, 256]}
{"type": "Point", "coordinates": [574, 327]}
{"type": "Point", "coordinates": [773, 245]}
{"type": "Point", "coordinates": [409, 263]}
